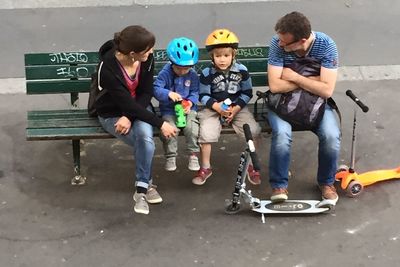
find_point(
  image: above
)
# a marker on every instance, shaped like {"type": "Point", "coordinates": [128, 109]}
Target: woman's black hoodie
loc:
{"type": "Point", "coordinates": [117, 100]}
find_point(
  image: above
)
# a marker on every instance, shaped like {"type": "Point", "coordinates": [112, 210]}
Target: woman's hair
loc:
{"type": "Point", "coordinates": [294, 23]}
{"type": "Point", "coordinates": [134, 38]}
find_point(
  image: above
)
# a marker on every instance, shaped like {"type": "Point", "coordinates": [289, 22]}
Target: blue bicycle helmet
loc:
{"type": "Point", "coordinates": [183, 51]}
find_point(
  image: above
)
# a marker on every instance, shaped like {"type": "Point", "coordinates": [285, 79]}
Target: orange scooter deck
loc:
{"type": "Point", "coordinates": [367, 178]}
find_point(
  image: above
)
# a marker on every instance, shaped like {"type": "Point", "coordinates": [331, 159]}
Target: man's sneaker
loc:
{"type": "Point", "coordinates": [202, 176]}
{"type": "Point", "coordinates": [279, 195]}
{"type": "Point", "coordinates": [152, 196]}
{"type": "Point", "coordinates": [141, 205]}
{"type": "Point", "coordinates": [170, 164]}
{"type": "Point", "coordinates": [193, 163]}
{"type": "Point", "coordinates": [254, 176]}
{"type": "Point", "coordinates": [329, 196]}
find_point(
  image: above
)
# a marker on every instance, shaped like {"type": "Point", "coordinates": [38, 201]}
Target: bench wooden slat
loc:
{"type": "Point", "coordinates": [59, 72]}
{"type": "Point", "coordinates": [81, 57]}
{"type": "Point", "coordinates": [63, 123]}
{"type": "Point", "coordinates": [85, 70]}
{"type": "Point", "coordinates": [88, 121]}
{"type": "Point", "coordinates": [75, 133]}
{"type": "Point", "coordinates": [57, 87]}
{"type": "Point", "coordinates": [82, 86]}
{"type": "Point", "coordinates": [61, 58]}
{"type": "Point", "coordinates": [57, 114]}
{"type": "Point", "coordinates": [58, 124]}
{"type": "Point", "coordinates": [259, 80]}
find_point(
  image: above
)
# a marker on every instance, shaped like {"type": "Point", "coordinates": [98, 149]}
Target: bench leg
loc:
{"type": "Point", "coordinates": [78, 179]}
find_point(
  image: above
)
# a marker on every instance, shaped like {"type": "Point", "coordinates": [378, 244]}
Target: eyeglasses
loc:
{"type": "Point", "coordinates": [287, 44]}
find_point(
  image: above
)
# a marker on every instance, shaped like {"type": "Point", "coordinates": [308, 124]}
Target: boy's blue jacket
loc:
{"type": "Point", "coordinates": [187, 86]}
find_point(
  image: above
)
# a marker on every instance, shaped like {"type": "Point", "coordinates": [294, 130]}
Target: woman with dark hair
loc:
{"type": "Point", "coordinates": [126, 75]}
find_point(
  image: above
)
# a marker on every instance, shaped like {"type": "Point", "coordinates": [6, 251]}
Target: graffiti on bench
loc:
{"type": "Point", "coordinates": [69, 58]}
{"type": "Point", "coordinates": [73, 72]}
{"type": "Point", "coordinates": [251, 52]}
{"type": "Point", "coordinates": [160, 55]}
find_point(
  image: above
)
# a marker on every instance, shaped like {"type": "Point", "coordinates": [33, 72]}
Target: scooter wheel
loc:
{"type": "Point", "coordinates": [232, 208]}
{"type": "Point", "coordinates": [354, 189]}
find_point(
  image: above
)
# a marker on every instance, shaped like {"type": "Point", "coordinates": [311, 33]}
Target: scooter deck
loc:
{"type": "Point", "coordinates": [290, 207]}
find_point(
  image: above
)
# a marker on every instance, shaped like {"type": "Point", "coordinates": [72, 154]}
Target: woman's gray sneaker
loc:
{"type": "Point", "coordinates": [152, 196]}
{"type": "Point", "coordinates": [141, 205]}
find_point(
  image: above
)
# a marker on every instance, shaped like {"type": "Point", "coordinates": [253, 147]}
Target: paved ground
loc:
{"type": "Point", "coordinates": [46, 222]}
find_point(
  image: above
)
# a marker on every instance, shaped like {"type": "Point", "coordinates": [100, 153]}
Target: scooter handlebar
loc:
{"type": "Point", "coordinates": [249, 141]}
{"type": "Point", "coordinates": [357, 101]}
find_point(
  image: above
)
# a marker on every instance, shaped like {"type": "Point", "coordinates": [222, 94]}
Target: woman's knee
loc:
{"type": "Point", "coordinates": [143, 132]}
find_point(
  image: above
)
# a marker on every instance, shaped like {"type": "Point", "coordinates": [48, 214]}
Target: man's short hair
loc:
{"type": "Point", "coordinates": [294, 23]}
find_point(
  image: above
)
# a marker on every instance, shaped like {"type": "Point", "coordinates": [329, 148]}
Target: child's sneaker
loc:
{"type": "Point", "coordinates": [279, 195]}
{"type": "Point", "coordinates": [141, 205]}
{"type": "Point", "coordinates": [193, 163]}
{"type": "Point", "coordinates": [202, 176]}
{"type": "Point", "coordinates": [152, 196]}
{"type": "Point", "coordinates": [170, 164]}
{"type": "Point", "coordinates": [254, 176]}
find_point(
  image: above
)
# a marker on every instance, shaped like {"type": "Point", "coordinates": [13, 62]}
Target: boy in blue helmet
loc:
{"type": "Point", "coordinates": [178, 81]}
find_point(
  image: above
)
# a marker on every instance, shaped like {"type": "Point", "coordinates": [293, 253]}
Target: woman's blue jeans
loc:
{"type": "Point", "coordinates": [329, 136]}
{"type": "Point", "coordinates": [140, 138]}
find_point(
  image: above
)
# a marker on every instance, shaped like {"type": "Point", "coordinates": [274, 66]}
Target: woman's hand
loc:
{"type": "Point", "coordinates": [174, 96]}
{"type": "Point", "coordinates": [168, 130]}
{"type": "Point", "coordinates": [123, 125]}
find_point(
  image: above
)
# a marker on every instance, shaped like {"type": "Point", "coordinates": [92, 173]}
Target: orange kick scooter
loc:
{"type": "Point", "coordinates": [351, 181]}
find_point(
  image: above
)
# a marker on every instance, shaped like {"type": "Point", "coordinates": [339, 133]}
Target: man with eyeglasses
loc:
{"type": "Point", "coordinates": [294, 39]}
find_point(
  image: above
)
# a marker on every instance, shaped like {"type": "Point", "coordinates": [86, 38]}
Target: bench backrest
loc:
{"type": "Point", "coordinates": [70, 72]}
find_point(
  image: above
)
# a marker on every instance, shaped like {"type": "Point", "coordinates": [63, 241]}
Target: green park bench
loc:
{"type": "Point", "coordinates": [70, 72]}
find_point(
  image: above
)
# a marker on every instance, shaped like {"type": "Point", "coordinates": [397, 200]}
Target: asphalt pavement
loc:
{"type": "Point", "coordinates": [44, 221]}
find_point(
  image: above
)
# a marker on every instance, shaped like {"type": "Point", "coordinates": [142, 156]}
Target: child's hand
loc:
{"type": "Point", "coordinates": [187, 106]}
{"type": "Point", "coordinates": [217, 107]}
{"type": "Point", "coordinates": [174, 96]}
{"type": "Point", "coordinates": [233, 111]}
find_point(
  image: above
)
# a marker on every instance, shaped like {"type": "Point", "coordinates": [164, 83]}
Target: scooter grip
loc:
{"type": "Point", "coordinates": [253, 155]}
{"type": "Point", "coordinates": [358, 101]}
{"type": "Point", "coordinates": [247, 132]}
